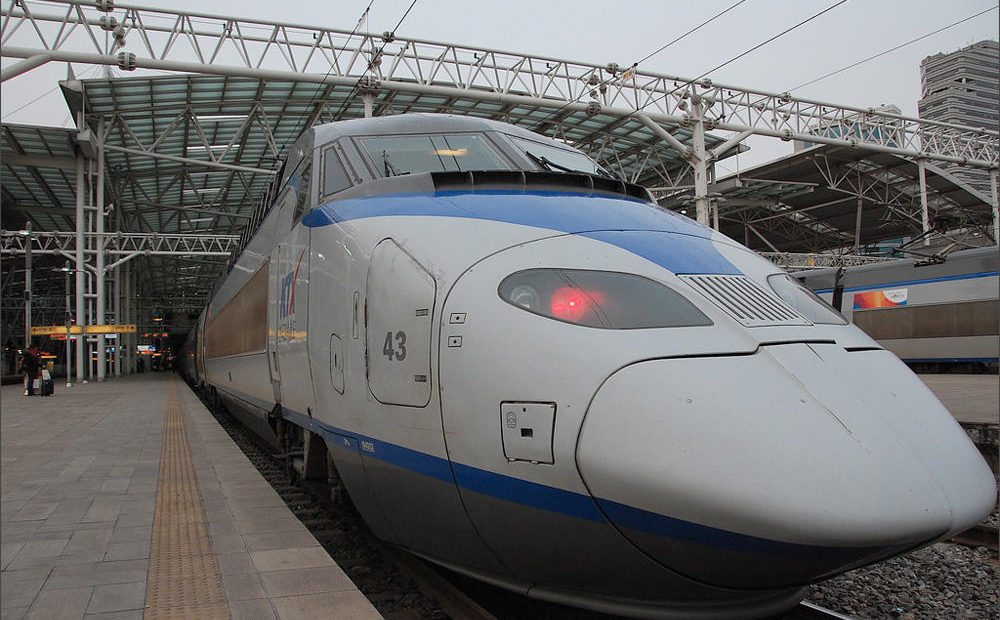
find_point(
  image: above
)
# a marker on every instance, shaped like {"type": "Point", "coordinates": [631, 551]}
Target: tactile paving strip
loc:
{"type": "Point", "coordinates": [183, 580]}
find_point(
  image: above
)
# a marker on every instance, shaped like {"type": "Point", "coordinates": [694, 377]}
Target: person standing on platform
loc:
{"type": "Point", "coordinates": [31, 367]}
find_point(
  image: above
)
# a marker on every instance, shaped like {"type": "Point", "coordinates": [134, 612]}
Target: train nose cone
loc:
{"type": "Point", "coordinates": [778, 468]}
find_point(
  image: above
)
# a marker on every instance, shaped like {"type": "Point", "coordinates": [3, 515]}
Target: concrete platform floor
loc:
{"type": "Point", "coordinates": [79, 516]}
{"type": "Point", "coordinates": [970, 398]}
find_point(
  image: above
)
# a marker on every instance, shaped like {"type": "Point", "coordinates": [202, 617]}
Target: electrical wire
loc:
{"type": "Point", "coordinates": [642, 60]}
{"type": "Point", "coordinates": [376, 55]}
{"type": "Point", "coordinates": [751, 50]}
{"type": "Point", "coordinates": [312, 102]}
{"type": "Point", "coordinates": [695, 29]}
{"type": "Point", "coordinates": [49, 92]}
{"type": "Point", "coordinates": [888, 51]}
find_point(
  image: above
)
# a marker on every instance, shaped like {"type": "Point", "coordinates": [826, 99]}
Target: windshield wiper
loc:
{"type": "Point", "coordinates": [390, 170]}
{"type": "Point", "coordinates": [548, 164]}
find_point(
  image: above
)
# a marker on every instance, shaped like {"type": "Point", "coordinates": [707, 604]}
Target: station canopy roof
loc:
{"type": "Point", "coordinates": [809, 202]}
{"type": "Point", "coordinates": [193, 155]}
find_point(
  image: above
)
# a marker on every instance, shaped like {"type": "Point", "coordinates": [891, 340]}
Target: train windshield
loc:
{"type": "Point", "coordinates": [559, 160]}
{"type": "Point", "coordinates": [398, 155]}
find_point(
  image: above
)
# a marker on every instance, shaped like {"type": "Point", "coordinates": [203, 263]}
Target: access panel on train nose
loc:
{"type": "Point", "coordinates": [400, 306]}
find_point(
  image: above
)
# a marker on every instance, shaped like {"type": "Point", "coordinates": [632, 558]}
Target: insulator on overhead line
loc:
{"type": "Point", "coordinates": [105, 6]}
{"type": "Point", "coordinates": [108, 22]}
{"type": "Point", "coordinates": [126, 61]}
{"type": "Point", "coordinates": [593, 108]}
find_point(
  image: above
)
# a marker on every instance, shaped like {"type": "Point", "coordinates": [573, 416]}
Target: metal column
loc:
{"type": "Point", "coordinates": [996, 205]}
{"type": "Point", "coordinates": [925, 216]}
{"type": "Point", "coordinates": [100, 286]}
{"type": "Point", "coordinates": [698, 161]}
{"type": "Point", "coordinates": [27, 287]}
{"type": "Point", "coordinates": [81, 309]}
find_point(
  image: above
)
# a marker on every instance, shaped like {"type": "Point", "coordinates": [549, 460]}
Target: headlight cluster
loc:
{"type": "Point", "coordinates": [603, 299]}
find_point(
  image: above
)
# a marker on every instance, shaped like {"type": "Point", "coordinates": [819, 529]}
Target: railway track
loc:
{"type": "Point", "coordinates": [811, 611]}
{"type": "Point", "coordinates": [403, 587]}
{"type": "Point", "coordinates": [979, 536]}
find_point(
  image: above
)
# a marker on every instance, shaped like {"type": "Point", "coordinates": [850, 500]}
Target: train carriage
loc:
{"type": "Point", "coordinates": [523, 369]}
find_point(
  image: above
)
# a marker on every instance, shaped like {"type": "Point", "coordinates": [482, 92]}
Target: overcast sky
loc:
{"type": "Point", "coordinates": [625, 31]}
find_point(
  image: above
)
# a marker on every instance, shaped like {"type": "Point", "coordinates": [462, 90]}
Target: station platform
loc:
{"type": "Point", "coordinates": [126, 499]}
{"type": "Point", "coordinates": [970, 398]}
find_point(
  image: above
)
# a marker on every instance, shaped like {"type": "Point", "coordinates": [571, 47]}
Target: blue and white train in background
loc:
{"type": "Point", "coordinates": [524, 370]}
{"type": "Point", "coordinates": [934, 313]}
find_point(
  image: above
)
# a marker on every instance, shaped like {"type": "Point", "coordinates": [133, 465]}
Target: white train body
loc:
{"type": "Point", "coordinates": [543, 380]}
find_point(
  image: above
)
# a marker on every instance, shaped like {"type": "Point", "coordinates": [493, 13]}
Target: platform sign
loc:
{"type": "Point", "coordinates": [54, 330]}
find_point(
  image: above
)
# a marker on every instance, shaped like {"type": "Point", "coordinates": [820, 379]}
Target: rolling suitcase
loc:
{"type": "Point", "coordinates": [48, 387]}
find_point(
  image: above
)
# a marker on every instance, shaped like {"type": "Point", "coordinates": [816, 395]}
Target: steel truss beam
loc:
{"type": "Point", "coordinates": [801, 260]}
{"type": "Point", "coordinates": [133, 37]}
{"type": "Point", "coordinates": [121, 244]}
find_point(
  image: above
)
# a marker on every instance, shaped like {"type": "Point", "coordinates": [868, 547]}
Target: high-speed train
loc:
{"type": "Point", "coordinates": [932, 313]}
{"type": "Point", "coordinates": [521, 368]}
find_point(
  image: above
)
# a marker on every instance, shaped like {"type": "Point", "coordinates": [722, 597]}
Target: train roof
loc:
{"type": "Point", "coordinates": [417, 123]}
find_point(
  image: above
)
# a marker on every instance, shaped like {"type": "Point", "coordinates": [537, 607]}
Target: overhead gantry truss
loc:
{"type": "Point", "coordinates": [190, 153]}
{"type": "Point", "coordinates": [134, 37]}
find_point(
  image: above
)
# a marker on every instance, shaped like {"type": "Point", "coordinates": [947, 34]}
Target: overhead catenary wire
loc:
{"type": "Point", "coordinates": [386, 39]}
{"type": "Point", "coordinates": [644, 59]}
{"type": "Point", "coordinates": [892, 49]}
{"type": "Point", "coordinates": [361, 20]}
{"type": "Point", "coordinates": [742, 54]}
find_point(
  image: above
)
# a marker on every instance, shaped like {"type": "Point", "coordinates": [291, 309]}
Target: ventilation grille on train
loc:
{"type": "Point", "coordinates": [745, 301]}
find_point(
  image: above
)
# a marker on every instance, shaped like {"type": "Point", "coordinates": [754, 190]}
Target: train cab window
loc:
{"type": "Point", "coordinates": [398, 155]}
{"type": "Point", "coordinates": [559, 160]}
{"type": "Point", "coordinates": [335, 177]}
{"type": "Point", "coordinates": [805, 302]}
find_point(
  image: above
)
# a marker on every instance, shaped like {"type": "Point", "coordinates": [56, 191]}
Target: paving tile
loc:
{"type": "Point", "coordinates": [118, 597]}
{"type": "Point", "coordinates": [94, 540]}
{"type": "Point", "coordinates": [348, 606]}
{"type": "Point", "coordinates": [21, 586]}
{"type": "Point", "coordinates": [279, 540]}
{"type": "Point", "coordinates": [8, 551]}
{"type": "Point", "coordinates": [285, 559]}
{"type": "Point", "coordinates": [306, 581]}
{"type": "Point", "coordinates": [43, 548]}
{"type": "Point", "coordinates": [256, 609]}
{"type": "Point", "coordinates": [59, 604]}
{"type": "Point", "coordinates": [243, 586]}
{"type": "Point", "coordinates": [88, 557]}
{"type": "Point", "coordinates": [35, 511]}
{"type": "Point", "coordinates": [228, 543]}
{"type": "Point", "coordinates": [129, 550]}
{"type": "Point", "coordinates": [97, 573]}
{"type": "Point", "coordinates": [235, 563]}
{"type": "Point", "coordinates": [131, 534]}
{"type": "Point", "coordinates": [13, 613]}
{"type": "Point", "coordinates": [135, 614]}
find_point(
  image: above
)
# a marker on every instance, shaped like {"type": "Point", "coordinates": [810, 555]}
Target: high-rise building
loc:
{"type": "Point", "coordinates": [963, 88]}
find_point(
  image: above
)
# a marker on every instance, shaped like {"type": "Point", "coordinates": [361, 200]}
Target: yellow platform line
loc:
{"type": "Point", "coordinates": [183, 579]}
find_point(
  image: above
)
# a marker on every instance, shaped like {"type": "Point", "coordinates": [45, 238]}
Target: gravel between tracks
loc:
{"type": "Point", "coordinates": [941, 582]}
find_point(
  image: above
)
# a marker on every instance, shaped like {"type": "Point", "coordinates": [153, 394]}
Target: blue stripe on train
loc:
{"type": "Point", "coordinates": [635, 226]}
{"type": "Point", "coordinates": [561, 501]}
{"type": "Point", "coordinates": [872, 287]}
